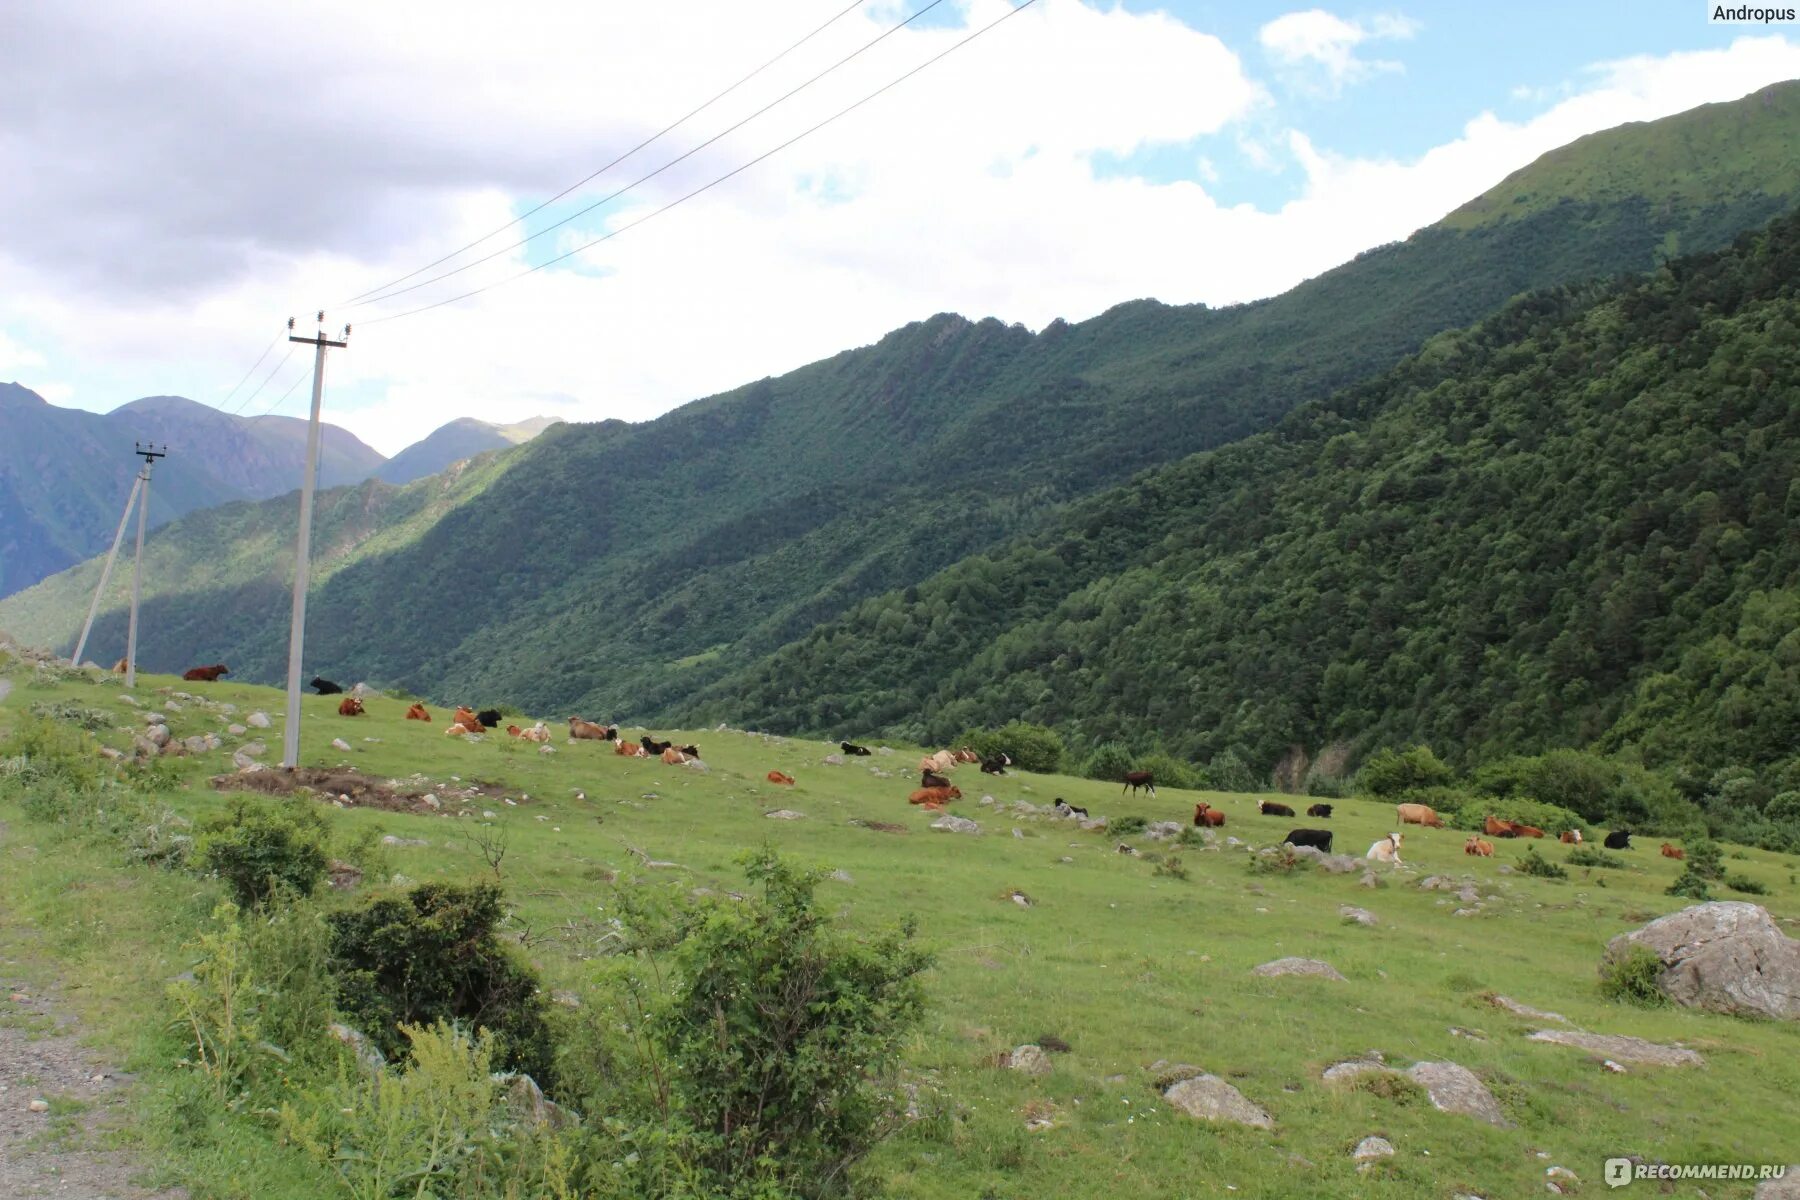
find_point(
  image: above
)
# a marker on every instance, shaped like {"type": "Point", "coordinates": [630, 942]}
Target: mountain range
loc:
{"type": "Point", "coordinates": [729, 557]}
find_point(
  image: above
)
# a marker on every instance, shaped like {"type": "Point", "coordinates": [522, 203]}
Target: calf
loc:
{"type": "Point", "coordinates": [1207, 815]}
{"type": "Point", "coordinates": [1269, 808]}
{"type": "Point", "coordinates": [418, 712]}
{"type": "Point", "coordinates": [324, 686]}
{"type": "Point", "coordinates": [1478, 847]}
{"type": "Point", "coordinates": [781, 777]}
{"type": "Point", "coordinates": [935, 797]}
{"type": "Point", "coordinates": [1318, 839]}
{"type": "Point", "coordinates": [1618, 839]}
{"type": "Point", "coordinates": [488, 718]}
{"type": "Point", "coordinates": [466, 718]}
{"type": "Point", "coordinates": [206, 674]}
{"type": "Point", "coordinates": [1669, 851]}
{"type": "Point", "coordinates": [580, 730]}
{"type": "Point", "coordinates": [1570, 837]}
{"type": "Point", "coordinates": [350, 706]}
{"type": "Point", "coordinates": [930, 779]}
{"type": "Point", "coordinates": [1064, 808]}
{"type": "Point", "coordinates": [1387, 850]}
{"type": "Point", "coordinates": [854, 750]}
{"type": "Point", "coordinates": [1319, 810]}
{"type": "Point", "coordinates": [1418, 814]}
{"type": "Point", "coordinates": [1141, 779]}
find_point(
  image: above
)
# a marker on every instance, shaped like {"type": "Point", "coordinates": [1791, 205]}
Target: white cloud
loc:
{"type": "Point", "coordinates": [1320, 41]}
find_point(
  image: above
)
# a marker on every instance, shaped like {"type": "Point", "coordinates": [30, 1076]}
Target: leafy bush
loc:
{"type": "Point", "coordinates": [1280, 860]}
{"type": "Point", "coordinates": [1579, 782]}
{"type": "Point", "coordinates": [1169, 867]}
{"type": "Point", "coordinates": [1631, 977]}
{"type": "Point", "coordinates": [1593, 856]}
{"type": "Point", "coordinates": [1226, 772]}
{"type": "Point", "coordinates": [1172, 772]}
{"type": "Point", "coordinates": [431, 954]}
{"type": "Point", "coordinates": [70, 713]}
{"type": "Point", "coordinates": [263, 849]}
{"type": "Point", "coordinates": [1689, 884]}
{"type": "Point", "coordinates": [1705, 859]}
{"type": "Point", "coordinates": [1031, 747]}
{"type": "Point", "coordinates": [1547, 817]}
{"type": "Point", "coordinates": [52, 770]}
{"type": "Point", "coordinates": [1536, 864]}
{"type": "Point", "coordinates": [1390, 772]}
{"type": "Point", "coordinates": [1110, 761]}
{"type": "Point", "coordinates": [1746, 885]}
{"type": "Point", "coordinates": [1126, 826]}
{"type": "Point", "coordinates": [1325, 784]}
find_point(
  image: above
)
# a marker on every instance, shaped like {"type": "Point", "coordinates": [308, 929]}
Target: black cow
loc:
{"type": "Point", "coordinates": [690, 751]}
{"type": "Point", "coordinates": [1068, 810]}
{"type": "Point", "coordinates": [931, 779]}
{"type": "Point", "coordinates": [1318, 839]}
{"type": "Point", "coordinates": [996, 765]}
{"type": "Point", "coordinates": [654, 746]}
{"type": "Point", "coordinates": [1619, 839]}
{"type": "Point", "coordinates": [854, 750]}
{"type": "Point", "coordinates": [324, 686]}
{"type": "Point", "coordinates": [489, 718]}
{"type": "Point", "coordinates": [1269, 808]}
{"type": "Point", "coordinates": [1319, 810]}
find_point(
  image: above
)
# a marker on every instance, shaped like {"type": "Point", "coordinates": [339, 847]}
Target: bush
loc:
{"type": "Point", "coordinates": [1031, 747]}
{"type": "Point", "coordinates": [1110, 761]}
{"type": "Point", "coordinates": [1391, 772]}
{"type": "Point", "coordinates": [1689, 884]}
{"type": "Point", "coordinates": [1226, 772]}
{"type": "Point", "coordinates": [1169, 867]}
{"type": "Point", "coordinates": [1172, 772]}
{"type": "Point", "coordinates": [1547, 817]}
{"type": "Point", "coordinates": [1126, 826]}
{"type": "Point", "coordinates": [432, 954]}
{"type": "Point", "coordinates": [1746, 885]}
{"type": "Point", "coordinates": [1568, 779]}
{"type": "Point", "coordinates": [1326, 785]}
{"type": "Point", "coordinates": [1705, 859]}
{"type": "Point", "coordinates": [263, 849]}
{"type": "Point", "coordinates": [1631, 977]}
{"type": "Point", "coordinates": [52, 770]}
{"type": "Point", "coordinates": [1281, 860]}
{"type": "Point", "coordinates": [68, 712]}
{"type": "Point", "coordinates": [1536, 864]}
{"type": "Point", "coordinates": [1593, 856]}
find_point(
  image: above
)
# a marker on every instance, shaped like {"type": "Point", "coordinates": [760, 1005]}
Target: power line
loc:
{"type": "Point", "coordinates": [521, 218]}
{"type": "Point", "coordinates": [240, 383]}
{"type": "Point", "coordinates": [842, 112]}
{"type": "Point", "coordinates": [283, 400]}
{"type": "Point", "coordinates": [265, 383]}
{"type": "Point", "coordinates": [785, 96]}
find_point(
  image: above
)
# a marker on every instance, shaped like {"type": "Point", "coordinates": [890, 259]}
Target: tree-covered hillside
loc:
{"type": "Point", "coordinates": [1574, 524]}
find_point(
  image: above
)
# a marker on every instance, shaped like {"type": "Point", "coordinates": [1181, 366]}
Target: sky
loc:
{"type": "Point", "coordinates": [181, 179]}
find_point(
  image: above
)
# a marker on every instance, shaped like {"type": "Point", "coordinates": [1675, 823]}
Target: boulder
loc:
{"type": "Point", "coordinates": [257, 720]}
{"type": "Point", "coordinates": [340, 744]}
{"type": "Point", "coordinates": [1347, 1072]}
{"type": "Point", "coordinates": [1159, 830]}
{"type": "Point", "coordinates": [949, 823]}
{"type": "Point", "coordinates": [1727, 956]}
{"type": "Point", "coordinates": [1372, 1148]}
{"type": "Point", "coordinates": [342, 875]}
{"type": "Point", "coordinates": [1209, 1098]}
{"type": "Point", "coordinates": [785, 814]}
{"type": "Point", "coordinates": [1785, 1188]}
{"type": "Point", "coordinates": [1338, 864]}
{"type": "Point", "coordinates": [236, 730]}
{"type": "Point", "coordinates": [157, 735]}
{"type": "Point", "coordinates": [1297, 966]}
{"type": "Point", "coordinates": [394, 841]}
{"type": "Point", "coordinates": [1456, 1089]}
{"type": "Point", "coordinates": [833, 760]}
{"type": "Point", "coordinates": [1361, 916]}
{"type": "Point", "coordinates": [1626, 1049]}
{"type": "Point", "coordinates": [1029, 1060]}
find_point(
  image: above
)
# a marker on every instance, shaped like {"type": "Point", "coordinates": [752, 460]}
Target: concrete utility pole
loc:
{"type": "Point", "coordinates": [290, 752]}
{"type": "Point", "coordinates": [87, 626]}
{"type": "Point", "coordinates": [149, 454]}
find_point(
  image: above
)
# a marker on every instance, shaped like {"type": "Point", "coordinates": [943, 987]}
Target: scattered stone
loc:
{"type": "Point", "coordinates": [1372, 1148]}
{"type": "Point", "coordinates": [1785, 1188]}
{"type": "Point", "coordinates": [342, 875]}
{"type": "Point", "coordinates": [1525, 1010]}
{"type": "Point", "coordinates": [1456, 1089]}
{"type": "Point", "coordinates": [1468, 894]}
{"type": "Point", "coordinates": [950, 823]}
{"type": "Point", "coordinates": [784, 814]}
{"type": "Point", "coordinates": [565, 998]}
{"type": "Point", "coordinates": [157, 735]}
{"type": "Point", "coordinates": [1160, 830]}
{"type": "Point", "coordinates": [1361, 916]}
{"type": "Point", "coordinates": [1021, 899]}
{"type": "Point", "coordinates": [1466, 912]}
{"type": "Point", "coordinates": [487, 814]}
{"type": "Point", "coordinates": [341, 745]}
{"type": "Point", "coordinates": [1561, 1173]}
{"type": "Point", "coordinates": [155, 718]}
{"type": "Point", "coordinates": [1727, 956]}
{"type": "Point", "coordinates": [1029, 1060]}
{"type": "Point", "coordinates": [833, 760]}
{"type": "Point", "coordinates": [1625, 1049]}
{"type": "Point", "coordinates": [432, 802]}
{"type": "Point", "coordinates": [392, 840]}
{"type": "Point", "coordinates": [1297, 966]}
{"type": "Point", "coordinates": [1347, 1072]}
{"type": "Point", "coordinates": [200, 743]}
{"type": "Point", "coordinates": [1369, 879]}
{"type": "Point", "coordinates": [236, 730]}
{"type": "Point", "coordinates": [257, 720]}
{"type": "Point", "coordinates": [39, 1106]}
{"type": "Point", "coordinates": [1438, 883]}
{"type": "Point", "coordinates": [1209, 1098]}
{"type": "Point", "coordinates": [527, 1099]}
{"type": "Point", "coordinates": [1338, 864]}
{"type": "Point", "coordinates": [842, 876]}
{"type": "Point", "coordinates": [366, 1053]}
{"type": "Point", "coordinates": [1613, 1067]}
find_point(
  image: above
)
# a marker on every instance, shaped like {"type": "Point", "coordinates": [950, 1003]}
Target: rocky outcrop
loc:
{"type": "Point", "coordinates": [1727, 956]}
{"type": "Point", "coordinates": [1297, 966]}
{"type": "Point", "coordinates": [1209, 1098]}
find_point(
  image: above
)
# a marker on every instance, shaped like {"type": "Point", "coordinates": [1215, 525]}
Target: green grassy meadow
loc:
{"type": "Point", "coordinates": [1125, 965]}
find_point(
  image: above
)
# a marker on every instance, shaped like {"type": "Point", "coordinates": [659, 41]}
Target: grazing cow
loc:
{"type": "Point", "coordinates": [206, 674]}
{"type": "Point", "coordinates": [324, 686]}
{"type": "Point", "coordinates": [781, 777]}
{"type": "Point", "coordinates": [1064, 808]}
{"type": "Point", "coordinates": [1207, 815]}
{"type": "Point", "coordinates": [1479, 847]}
{"type": "Point", "coordinates": [1495, 827]}
{"type": "Point", "coordinates": [1142, 779]}
{"type": "Point", "coordinates": [1527, 831]}
{"type": "Point", "coordinates": [580, 730]}
{"type": "Point", "coordinates": [1269, 808]}
{"type": "Point", "coordinates": [965, 755]}
{"type": "Point", "coordinates": [1318, 839]}
{"type": "Point", "coordinates": [1319, 810]}
{"type": "Point", "coordinates": [673, 757]}
{"type": "Point", "coordinates": [1387, 850]}
{"type": "Point", "coordinates": [1669, 851]}
{"type": "Point", "coordinates": [627, 749]}
{"type": "Point", "coordinates": [853, 750]}
{"type": "Point", "coordinates": [935, 797]}
{"type": "Point", "coordinates": [350, 706]}
{"type": "Point", "coordinates": [929, 778]}
{"type": "Point", "coordinates": [1570, 837]}
{"type": "Point", "coordinates": [995, 766]}
{"type": "Point", "coordinates": [1418, 814]}
{"type": "Point", "coordinates": [418, 712]}
{"type": "Point", "coordinates": [488, 718]}
{"type": "Point", "coordinates": [1618, 839]}
{"type": "Point", "coordinates": [120, 666]}
{"type": "Point", "coordinates": [652, 746]}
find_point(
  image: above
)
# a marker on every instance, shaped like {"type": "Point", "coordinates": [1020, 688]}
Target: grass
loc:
{"type": "Point", "coordinates": [1126, 965]}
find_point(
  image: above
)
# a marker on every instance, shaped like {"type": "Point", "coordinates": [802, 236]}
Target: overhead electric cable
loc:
{"type": "Point", "coordinates": [283, 400]}
{"type": "Point", "coordinates": [274, 371]}
{"type": "Point", "coordinates": [673, 125]}
{"type": "Point", "coordinates": [240, 383]}
{"type": "Point", "coordinates": [842, 112]}
{"type": "Point", "coordinates": [529, 238]}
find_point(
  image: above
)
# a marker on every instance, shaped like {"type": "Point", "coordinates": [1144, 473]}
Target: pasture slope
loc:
{"type": "Point", "coordinates": [1127, 966]}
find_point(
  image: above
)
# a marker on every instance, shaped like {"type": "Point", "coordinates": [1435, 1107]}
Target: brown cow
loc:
{"type": "Point", "coordinates": [418, 712]}
{"type": "Point", "coordinates": [350, 706]}
{"type": "Point", "coordinates": [1570, 837]}
{"type": "Point", "coordinates": [1479, 847]}
{"type": "Point", "coordinates": [206, 674]}
{"type": "Point", "coordinates": [935, 797]}
{"type": "Point", "coordinates": [1143, 779]}
{"type": "Point", "coordinates": [580, 730]}
{"type": "Point", "coordinates": [119, 667]}
{"type": "Point", "coordinates": [1669, 851]}
{"type": "Point", "coordinates": [1418, 814]}
{"type": "Point", "coordinates": [1206, 814]}
{"type": "Point", "coordinates": [673, 757]}
{"type": "Point", "coordinates": [943, 762]}
{"type": "Point", "coordinates": [781, 777]}
{"type": "Point", "coordinates": [965, 755]}
{"type": "Point", "coordinates": [1495, 827]}
{"type": "Point", "coordinates": [1526, 830]}
{"type": "Point", "coordinates": [627, 749]}
{"type": "Point", "coordinates": [465, 717]}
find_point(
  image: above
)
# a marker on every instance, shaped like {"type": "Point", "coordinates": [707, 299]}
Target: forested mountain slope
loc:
{"type": "Point", "coordinates": [619, 570]}
{"type": "Point", "coordinates": [1573, 524]}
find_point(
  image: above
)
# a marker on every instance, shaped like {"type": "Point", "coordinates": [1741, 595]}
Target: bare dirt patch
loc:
{"type": "Point", "coordinates": [365, 791]}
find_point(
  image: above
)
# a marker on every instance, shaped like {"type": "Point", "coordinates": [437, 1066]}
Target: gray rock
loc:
{"type": "Point", "coordinates": [1626, 1049]}
{"type": "Point", "coordinates": [1525, 1010]}
{"type": "Point", "coordinates": [1209, 1098]}
{"type": "Point", "coordinates": [1029, 1060]}
{"type": "Point", "coordinates": [785, 814]}
{"type": "Point", "coordinates": [1785, 1188]}
{"type": "Point", "coordinates": [392, 840]}
{"type": "Point", "coordinates": [1297, 966]}
{"type": "Point", "coordinates": [340, 744]}
{"type": "Point", "coordinates": [366, 1052]}
{"type": "Point", "coordinates": [1346, 1072]}
{"type": "Point", "coordinates": [1163, 829]}
{"type": "Point", "coordinates": [527, 1099]}
{"type": "Point", "coordinates": [1438, 883]}
{"type": "Point", "coordinates": [834, 760]}
{"type": "Point", "coordinates": [954, 824]}
{"type": "Point", "coordinates": [1338, 864]}
{"type": "Point", "coordinates": [1456, 1089]}
{"type": "Point", "coordinates": [157, 735]}
{"type": "Point", "coordinates": [1372, 1148]}
{"type": "Point", "coordinates": [255, 749]}
{"type": "Point", "coordinates": [155, 718]}
{"type": "Point", "coordinates": [257, 720]}
{"type": "Point", "coordinates": [1468, 894]}
{"type": "Point", "coordinates": [1727, 956]}
{"type": "Point", "coordinates": [236, 730]}
{"type": "Point", "coordinates": [1369, 880]}
{"type": "Point", "coordinates": [1361, 916]}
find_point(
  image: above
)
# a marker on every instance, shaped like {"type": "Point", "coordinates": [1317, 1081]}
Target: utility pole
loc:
{"type": "Point", "coordinates": [87, 627]}
{"type": "Point", "coordinates": [149, 454]}
{"type": "Point", "coordinates": [290, 753]}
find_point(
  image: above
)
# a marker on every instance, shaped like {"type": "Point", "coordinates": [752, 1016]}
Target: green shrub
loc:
{"type": "Point", "coordinates": [1536, 864]}
{"type": "Point", "coordinates": [432, 954]}
{"type": "Point", "coordinates": [1631, 977]}
{"type": "Point", "coordinates": [264, 849]}
{"type": "Point", "coordinates": [1031, 747]}
{"type": "Point", "coordinates": [1110, 761]}
{"type": "Point", "coordinates": [1172, 772]}
{"type": "Point", "coordinates": [1226, 772]}
{"type": "Point", "coordinates": [1593, 856]}
{"type": "Point", "coordinates": [1280, 860]}
{"type": "Point", "coordinates": [1689, 884]}
{"type": "Point", "coordinates": [1326, 785]}
{"type": "Point", "coordinates": [51, 770]}
{"type": "Point", "coordinates": [70, 713]}
{"type": "Point", "coordinates": [1547, 817]}
{"type": "Point", "coordinates": [1746, 885]}
{"type": "Point", "coordinates": [1705, 859]}
{"type": "Point", "coordinates": [1126, 826]}
{"type": "Point", "coordinates": [1390, 772]}
{"type": "Point", "coordinates": [1169, 866]}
